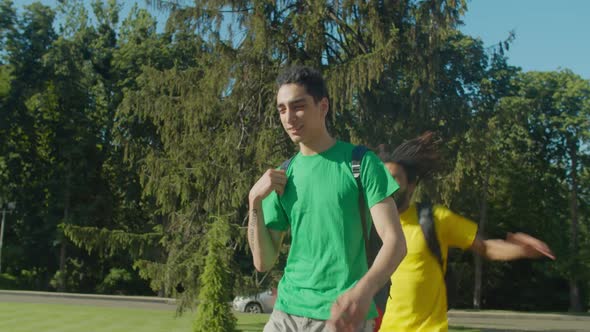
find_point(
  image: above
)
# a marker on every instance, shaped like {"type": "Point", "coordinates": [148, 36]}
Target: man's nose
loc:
{"type": "Point", "coordinates": [290, 115]}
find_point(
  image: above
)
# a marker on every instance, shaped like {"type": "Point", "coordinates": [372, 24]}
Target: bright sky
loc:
{"type": "Point", "coordinates": [550, 34]}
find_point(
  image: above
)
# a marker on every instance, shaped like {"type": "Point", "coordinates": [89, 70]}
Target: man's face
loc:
{"type": "Point", "coordinates": [403, 195]}
{"type": "Point", "coordinates": [302, 118]}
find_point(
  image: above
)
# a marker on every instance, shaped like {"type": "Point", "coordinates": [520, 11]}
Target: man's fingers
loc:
{"type": "Point", "coordinates": [278, 176]}
{"type": "Point", "coordinates": [277, 172]}
{"type": "Point", "coordinates": [274, 180]}
{"type": "Point", "coordinates": [279, 179]}
{"type": "Point", "coordinates": [534, 243]}
{"type": "Point", "coordinates": [339, 325]}
{"type": "Point", "coordinates": [279, 188]}
{"type": "Point", "coordinates": [337, 314]}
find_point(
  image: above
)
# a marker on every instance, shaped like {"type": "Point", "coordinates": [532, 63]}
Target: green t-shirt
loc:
{"type": "Point", "coordinates": [320, 205]}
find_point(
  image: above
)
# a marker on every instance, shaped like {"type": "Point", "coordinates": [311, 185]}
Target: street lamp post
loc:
{"type": "Point", "coordinates": [8, 208]}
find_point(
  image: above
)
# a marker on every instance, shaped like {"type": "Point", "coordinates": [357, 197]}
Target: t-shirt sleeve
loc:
{"type": "Point", "coordinates": [378, 184]}
{"type": "Point", "coordinates": [274, 214]}
{"type": "Point", "coordinates": [459, 232]}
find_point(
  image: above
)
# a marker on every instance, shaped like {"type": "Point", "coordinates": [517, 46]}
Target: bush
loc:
{"type": "Point", "coordinates": [116, 282]}
{"type": "Point", "coordinates": [213, 312]}
{"type": "Point", "coordinates": [8, 282]}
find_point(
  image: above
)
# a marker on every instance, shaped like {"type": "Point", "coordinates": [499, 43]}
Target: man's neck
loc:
{"type": "Point", "coordinates": [406, 205]}
{"type": "Point", "coordinates": [319, 145]}
{"type": "Point", "coordinates": [402, 209]}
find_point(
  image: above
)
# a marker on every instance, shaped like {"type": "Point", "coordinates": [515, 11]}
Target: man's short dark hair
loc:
{"type": "Point", "coordinates": [311, 79]}
{"type": "Point", "coordinates": [419, 156]}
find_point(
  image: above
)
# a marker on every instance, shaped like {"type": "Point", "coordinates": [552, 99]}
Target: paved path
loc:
{"type": "Point", "coordinates": [492, 321]}
{"type": "Point", "coordinates": [144, 302]}
{"type": "Point", "coordinates": [486, 321]}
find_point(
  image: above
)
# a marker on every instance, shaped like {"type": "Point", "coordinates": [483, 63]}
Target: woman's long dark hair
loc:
{"type": "Point", "coordinates": [419, 156]}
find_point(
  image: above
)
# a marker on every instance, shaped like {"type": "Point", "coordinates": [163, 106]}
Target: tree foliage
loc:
{"type": "Point", "coordinates": [131, 149]}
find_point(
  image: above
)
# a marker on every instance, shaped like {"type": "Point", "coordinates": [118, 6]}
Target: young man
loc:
{"type": "Point", "coordinates": [418, 299]}
{"type": "Point", "coordinates": [326, 285]}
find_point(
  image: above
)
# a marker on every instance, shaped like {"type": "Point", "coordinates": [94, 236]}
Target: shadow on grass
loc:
{"type": "Point", "coordinates": [470, 329]}
{"type": "Point", "coordinates": [562, 313]}
{"type": "Point", "coordinates": [250, 327]}
{"type": "Point", "coordinates": [251, 322]}
{"type": "Point", "coordinates": [513, 330]}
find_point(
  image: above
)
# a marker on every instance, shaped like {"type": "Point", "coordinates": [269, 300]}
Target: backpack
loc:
{"type": "Point", "coordinates": [426, 220]}
{"type": "Point", "coordinates": [372, 240]}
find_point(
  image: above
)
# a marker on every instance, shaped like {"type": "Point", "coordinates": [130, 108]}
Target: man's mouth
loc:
{"type": "Point", "coordinates": [295, 130]}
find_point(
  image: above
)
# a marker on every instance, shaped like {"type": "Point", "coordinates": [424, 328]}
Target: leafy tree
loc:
{"type": "Point", "coordinates": [213, 312]}
{"type": "Point", "coordinates": [558, 107]}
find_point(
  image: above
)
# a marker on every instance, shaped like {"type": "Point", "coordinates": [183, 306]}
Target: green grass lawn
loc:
{"type": "Point", "coordinates": [30, 317]}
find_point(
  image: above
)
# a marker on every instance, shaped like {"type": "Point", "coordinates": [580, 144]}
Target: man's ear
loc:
{"type": "Point", "coordinates": [325, 105]}
{"type": "Point", "coordinates": [412, 187]}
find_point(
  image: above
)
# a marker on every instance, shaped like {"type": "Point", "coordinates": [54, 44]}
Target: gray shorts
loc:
{"type": "Point", "coordinates": [283, 322]}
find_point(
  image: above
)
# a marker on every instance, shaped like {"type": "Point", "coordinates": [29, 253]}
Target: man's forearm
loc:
{"type": "Point", "coordinates": [264, 251]}
{"type": "Point", "coordinates": [388, 259]}
{"type": "Point", "coordinates": [500, 250]}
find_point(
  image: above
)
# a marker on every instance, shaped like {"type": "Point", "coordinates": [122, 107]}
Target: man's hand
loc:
{"type": "Point", "coordinates": [264, 243]}
{"type": "Point", "coordinates": [516, 246]}
{"type": "Point", "coordinates": [272, 179]}
{"type": "Point", "coordinates": [532, 247]}
{"type": "Point", "coordinates": [349, 311]}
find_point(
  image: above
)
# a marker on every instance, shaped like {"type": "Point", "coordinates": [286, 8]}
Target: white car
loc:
{"type": "Point", "coordinates": [256, 304]}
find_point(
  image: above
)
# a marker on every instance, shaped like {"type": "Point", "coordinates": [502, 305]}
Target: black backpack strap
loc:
{"type": "Point", "coordinates": [372, 240]}
{"type": "Point", "coordinates": [357, 157]}
{"type": "Point", "coordinates": [285, 164]}
{"type": "Point", "coordinates": [426, 220]}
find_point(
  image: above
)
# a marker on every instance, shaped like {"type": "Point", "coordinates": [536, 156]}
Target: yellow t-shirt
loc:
{"type": "Point", "coordinates": [418, 298]}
